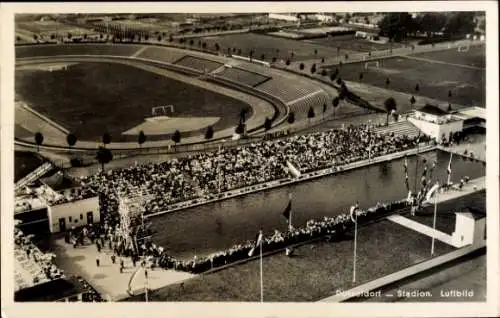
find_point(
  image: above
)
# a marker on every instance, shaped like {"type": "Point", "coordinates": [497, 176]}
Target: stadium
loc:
{"type": "Point", "coordinates": [159, 160]}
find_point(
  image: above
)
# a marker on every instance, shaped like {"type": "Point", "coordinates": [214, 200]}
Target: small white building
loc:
{"type": "Point", "coordinates": [470, 228]}
{"type": "Point", "coordinates": [284, 17]}
{"type": "Point", "coordinates": [436, 123]}
{"type": "Point", "coordinates": [50, 211]}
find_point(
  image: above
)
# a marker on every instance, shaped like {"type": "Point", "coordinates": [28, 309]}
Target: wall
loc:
{"type": "Point", "coordinates": [436, 131]}
{"type": "Point", "coordinates": [453, 126]}
{"type": "Point", "coordinates": [73, 210]}
{"type": "Point", "coordinates": [479, 231]}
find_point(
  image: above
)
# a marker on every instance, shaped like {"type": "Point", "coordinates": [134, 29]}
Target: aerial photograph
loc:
{"type": "Point", "coordinates": [250, 157]}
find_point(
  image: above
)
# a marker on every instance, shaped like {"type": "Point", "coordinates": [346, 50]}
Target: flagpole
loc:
{"type": "Point", "coordinates": [261, 277]}
{"type": "Point", "coordinates": [449, 169]}
{"type": "Point", "coordinates": [355, 248]}
{"type": "Point", "coordinates": [146, 285]}
{"type": "Point", "coordinates": [291, 213]}
{"type": "Point", "coordinates": [434, 222]}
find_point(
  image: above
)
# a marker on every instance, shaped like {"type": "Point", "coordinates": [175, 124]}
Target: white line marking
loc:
{"type": "Point", "coordinates": [142, 49]}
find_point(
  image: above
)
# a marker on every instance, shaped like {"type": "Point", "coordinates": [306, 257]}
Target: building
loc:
{"type": "Point", "coordinates": [436, 123]}
{"type": "Point", "coordinates": [44, 210]}
{"type": "Point", "coordinates": [61, 290]}
{"type": "Point", "coordinates": [284, 17]}
{"type": "Point", "coordinates": [470, 228]}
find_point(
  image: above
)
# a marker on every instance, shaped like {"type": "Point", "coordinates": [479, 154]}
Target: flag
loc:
{"type": "Point", "coordinates": [449, 169]}
{"type": "Point", "coordinates": [406, 181]}
{"type": "Point", "coordinates": [352, 211]}
{"type": "Point", "coordinates": [258, 242]}
{"type": "Point", "coordinates": [409, 198]}
{"type": "Point", "coordinates": [431, 191]}
{"type": "Point", "coordinates": [288, 208]}
{"type": "Point", "coordinates": [406, 165]}
{"type": "Point", "coordinates": [293, 171]}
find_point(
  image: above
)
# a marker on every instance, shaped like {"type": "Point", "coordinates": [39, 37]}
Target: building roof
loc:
{"type": "Point", "coordinates": [475, 213]}
{"type": "Point", "coordinates": [432, 110]}
{"type": "Point", "coordinates": [472, 112]}
{"type": "Point", "coordinates": [50, 291]}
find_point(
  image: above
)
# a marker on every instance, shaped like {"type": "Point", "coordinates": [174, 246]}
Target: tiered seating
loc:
{"type": "Point", "coordinates": [288, 90]}
{"type": "Point", "coordinates": [76, 49]}
{"type": "Point", "coordinates": [314, 100]}
{"type": "Point", "coordinates": [161, 54]}
{"type": "Point", "coordinates": [36, 174]}
{"type": "Point", "coordinates": [199, 64]}
{"type": "Point", "coordinates": [399, 129]}
{"type": "Point", "coordinates": [242, 76]}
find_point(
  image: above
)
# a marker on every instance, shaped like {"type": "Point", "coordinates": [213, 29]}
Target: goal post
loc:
{"type": "Point", "coordinates": [372, 64]}
{"type": "Point", "coordinates": [463, 48]}
{"type": "Point", "coordinates": [162, 110]}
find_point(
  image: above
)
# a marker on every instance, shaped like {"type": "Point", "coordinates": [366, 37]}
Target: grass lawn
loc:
{"type": "Point", "coordinates": [315, 272]}
{"type": "Point", "coordinates": [24, 163]}
{"type": "Point", "coordinates": [350, 44]}
{"type": "Point", "coordinates": [90, 98]}
{"type": "Point", "coordinates": [268, 45]}
{"type": "Point", "coordinates": [76, 49]}
{"type": "Point", "coordinates": [476, 56]}
{"type": "Point", "coordinates": [435, 80]}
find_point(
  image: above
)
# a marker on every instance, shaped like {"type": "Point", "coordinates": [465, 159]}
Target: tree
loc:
{"type": "Point", "coordinates": [176, 137]}
{"type": "Point", "coordinates": [310, 113]}
{"type": "Point", "coordinates": [346, 56]}
{"type": "Point", "coordinates": [360, 76]}
{"type": "Point", "coordinates": [18, 38]}
{"type": "Point", "coordinates": [396, 26]}
{"type": "Point", "coordinates": [315, 52]}
{"type": "Point", "coordinates": [287, 62]}
{"type": "Point", "coordinates": [170, 38]}
{"type": "Point", "coordinates": [324, 108]}
{"type": "Point", "coordinates": [243, 114]}
{"type": "Point", "coordinates": [431, 22]}
{"type": "Point", "coordinates": [158, 38]}
{"type": "Point", "coordinates": [417, 88]}
{"type": "Point", "coordinates": [335, 103]}
{"type": "Point", "coordinates": [387, 82]}
{"type": "Point", "coordinates": [209, 134]}
{"type": "Point", "coordinates": [70, 36]}
{"type": "Point", "coordinates": [217, 47]}
{"type": "Point", "coordinates": [141, 138]}
{"type": "Point", "coordinates": [322, 60]}
{"type": "Point", "coordinates": [38, 140]}
{"type": "Point", "coordinates": [301, 66]}
{"type": "Point", "coordinates": [339, 81]}
{"type": "Point", "coordinates": [71, 139]}
{"type": "Point", "coordinates": [262, 57]}
{"type": "Point", "coordinates": [334, 74]}
{"type": "Point", "coordinates": [104, 156]}
{"type": "Point", "coordinates": [291, 118]}
{"type": "Point", "coordinates": [460, 23]}
{"type": "Point", "coordinates": [274, 59]}
{"type": "Point", "coordinates": [390, 105]}
{"type": "Point", "coordinates": [313, 69]}
{"type": "Point", "coordinates": [450, 108]}
{"type": "Point", "coordinates": [191, 42]}
{"type": "Point", "coordinates": [323, 72]}
{"type": "Point", "coordinates": [412, 100]}
{"type": "Point", "coordinates": [449, 93]}
{"type": "Point", "coordinates": [267, 124]}
{"type": "Point", "coordinates": [106, 138]}
{"type": "Point", "coordinates": [240, 129]}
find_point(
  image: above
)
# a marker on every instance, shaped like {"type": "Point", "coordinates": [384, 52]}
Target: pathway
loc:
{"type": "Point", "coordinates": [106, 278]}
{"type": "Point", "coordinates": [421, 228]}
{"type": "Point", "coordinates": [440, 62]}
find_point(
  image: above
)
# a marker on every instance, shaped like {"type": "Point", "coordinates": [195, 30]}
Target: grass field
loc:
{"type": "Point", "coordinates": [350, 44]}
{"type": "Point", "coordinates": [476, 56]}
{"type": "Point", "coordinates": [24, 163]}
{"type": "Point", "coordinates": [268, 45]}
{"type": "Point", "coordinates": [90, 98]}
{"type": "Point", "coordinates": [435, 80]}
{"type": "Point", "coordinates": [321, 268]}
{"type": "Point", "coordinates": [48, 27]}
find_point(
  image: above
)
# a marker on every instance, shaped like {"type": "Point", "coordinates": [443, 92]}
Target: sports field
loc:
{"type": "Point", "coordinates": [349, 43]}
{"type": "Point", "coordinates": [92, 98]}
{"type": "Point", "coordinates": [270, 46]}
{"type": "Point", "coordinates": [450, 71]}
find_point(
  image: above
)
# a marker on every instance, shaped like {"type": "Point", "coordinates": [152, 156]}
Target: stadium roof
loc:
{"type": "Point", "coordinates": [432, 110]}
{"type": "Point", "coordinates": [472, 112]}
{"type": "Point", "coordinates": [51, 291]}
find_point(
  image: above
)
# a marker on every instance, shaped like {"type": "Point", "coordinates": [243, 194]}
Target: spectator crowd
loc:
{"type": "Point", "coordinates": [206, 174]}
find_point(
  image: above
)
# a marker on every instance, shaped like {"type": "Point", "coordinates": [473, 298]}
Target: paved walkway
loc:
{"type": "Point", "coordinates": [106, 278]}
{"type": "Point", "coordinates": [421, 228]}
{"type": "Point", "coordinates": [476, 144]}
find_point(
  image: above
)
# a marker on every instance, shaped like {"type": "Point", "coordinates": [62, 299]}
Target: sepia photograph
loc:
{"type": "Point", "coordinates": [318, 157]}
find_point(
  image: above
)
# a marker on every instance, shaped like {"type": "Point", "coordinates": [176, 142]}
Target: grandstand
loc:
{"type": "Point", "coordinates": [161, 54]}
{"type": "Point", "coordinates": [242, 76]}
{"type": "Point", "coordinates": [197, 63]}
{"type": "Point", "coordinates": [77, 49]}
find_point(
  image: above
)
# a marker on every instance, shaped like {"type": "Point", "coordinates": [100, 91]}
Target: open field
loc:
{"type": "Point", "coordinates": [349, 44]}
{"type": "Point", "coordinates": [476, 56]}
{"type": "Point", "coordinates": [268, 45]}
{"type": "Point", "coordinates": [435, 80]}
{"type": "Point", "coordinates": [91, 98]}
{"type": "Point", "coordinates": [49, 27]}
{"type": "Point", "coordinates": [24, 163]}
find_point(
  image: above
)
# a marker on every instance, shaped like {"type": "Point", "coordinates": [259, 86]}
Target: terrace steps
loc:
{"type": "Point", "coordinates": [400, 128]}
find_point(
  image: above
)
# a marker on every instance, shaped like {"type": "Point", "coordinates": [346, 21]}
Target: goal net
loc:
{"type": "Point", "coordinates": [463, 48]}
{"type": "Point", "coordinates": [372, 64]}
{"type": "Point", "coordinates": [162, 110]}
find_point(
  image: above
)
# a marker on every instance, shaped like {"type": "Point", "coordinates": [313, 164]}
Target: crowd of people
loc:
{"type": "Point", "coordinates": [333, 228]}
{"type": "Point", "coordinates": [206, 174]}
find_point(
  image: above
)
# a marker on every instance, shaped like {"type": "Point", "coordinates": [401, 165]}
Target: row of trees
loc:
{"type": "Point", "coordinates": [397, 26]}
